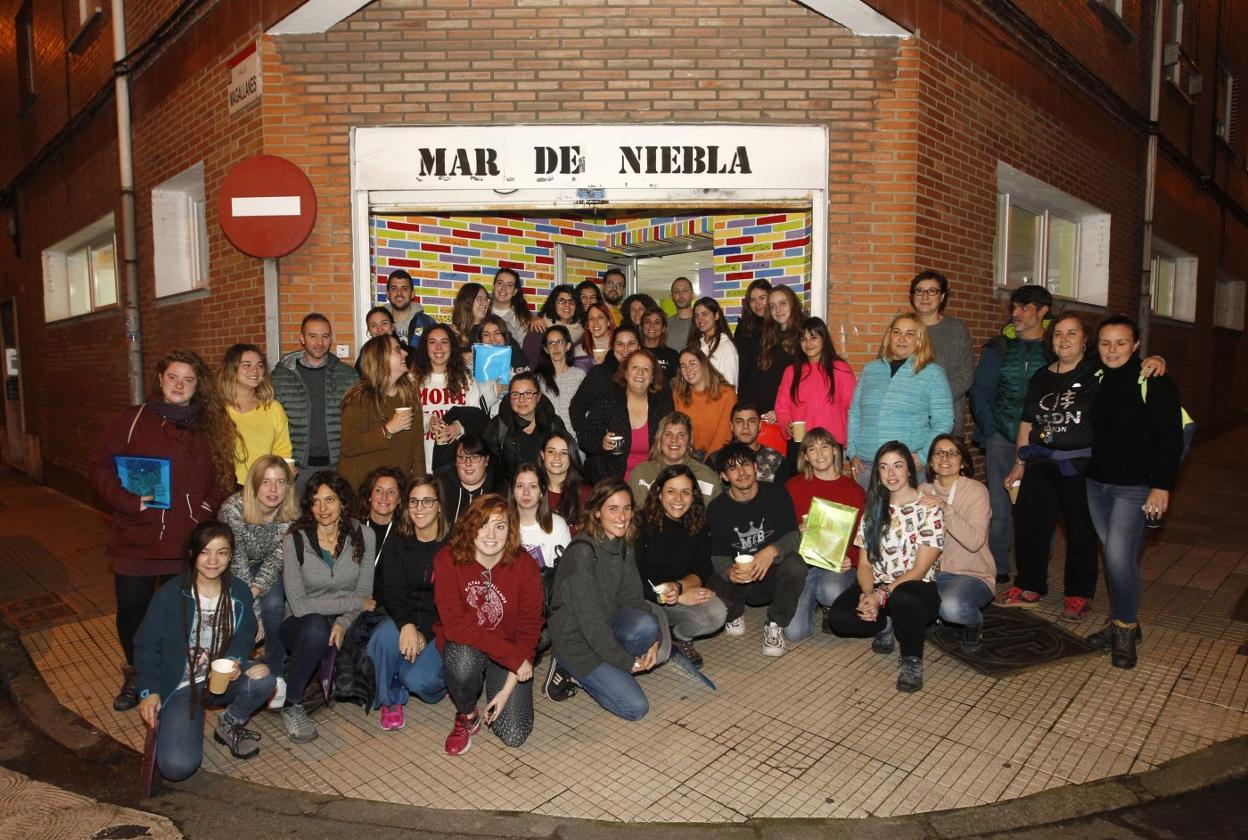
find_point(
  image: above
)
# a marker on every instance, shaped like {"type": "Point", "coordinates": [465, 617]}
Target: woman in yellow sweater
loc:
{"type": "Point", "coordinates": [244, 383]}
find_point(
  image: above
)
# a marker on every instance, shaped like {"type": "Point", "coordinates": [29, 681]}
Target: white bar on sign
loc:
{"type": "Point", "coordinates": [265, 205]}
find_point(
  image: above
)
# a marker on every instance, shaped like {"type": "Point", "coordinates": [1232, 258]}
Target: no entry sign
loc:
{"type": "Point", "coordinates": [267, 206]}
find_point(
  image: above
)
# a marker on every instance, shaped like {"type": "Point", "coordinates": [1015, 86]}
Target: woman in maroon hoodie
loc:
{"type": "Point", "coordinates": [184, 422]}
{"type": "Point", "coordinates": [488, 592]}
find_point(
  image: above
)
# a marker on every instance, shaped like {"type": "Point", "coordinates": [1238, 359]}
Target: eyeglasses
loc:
{"type": "Point", "coordinates": [946, 453]}
{"type": "Point", "coordinates": [469, 459]}
{"type": "Point", "coordinates": [556, 342]}
{"type": "Point", "coordinates": [691, 365]}
{"type": "Point", "coordinates": [525, 395]}
{"type": "Point", "coordinates": [932, 292]}
{"type": "Point", "coordinates": [561, 301]}
{"type": "Point", "coordinates": [426, 503]}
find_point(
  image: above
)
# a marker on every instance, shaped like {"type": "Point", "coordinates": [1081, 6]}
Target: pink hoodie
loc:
{"type": "Point", "coordinates": [812, 403]}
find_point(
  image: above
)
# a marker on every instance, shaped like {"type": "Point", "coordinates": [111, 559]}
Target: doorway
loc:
{"type": "Point", "coordinates": [13, 439]}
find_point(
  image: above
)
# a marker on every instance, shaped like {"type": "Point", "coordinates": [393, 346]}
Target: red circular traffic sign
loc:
{"type": "Point", "coordinates": [266, 206]}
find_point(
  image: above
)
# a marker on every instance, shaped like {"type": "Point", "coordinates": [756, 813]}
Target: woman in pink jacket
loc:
{"type": "Point", "coordinates": [818, 387]}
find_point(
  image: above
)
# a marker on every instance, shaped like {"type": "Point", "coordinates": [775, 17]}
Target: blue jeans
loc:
{"type": "Point", "coordinates": [962, 598]}
{"type": "Point", "coordinates": [180, 740]}
{"type": "Point", "coordinates": [306, 637]}
{"type": "Point", "coordinates": [396, 677]}
{"type": "Point", "coordinates": [1118, 516]}
{"type": "Point", "coordinates": [272, 613]}
{"type": "Point", "coordinates": [1001, 454]}
{"type": "Point", "coordinates": [616, 690]}
{"type": "Point", "coordinates": [822, 586]}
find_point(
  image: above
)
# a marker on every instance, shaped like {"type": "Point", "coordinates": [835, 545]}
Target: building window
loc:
{"type": "Point", "coordinates": [1173, 282]}
{"type": "Point", "coordinates": [1047, 237]}
{"type": "Point", "coordinates": [1228, 305]}
{"type": "Point", "coordinates": [1178, 27]}
{"type": "Point", "coordinates": [1224, 106]}
{"type": "Point", "coordinates": [25, 32]}
{"type": "Point", "coordinates": [180, 233]}
{"type": "Point", "coordinates": [80, 273]}
{"type": "Point", "coordinates": [1114, 6]}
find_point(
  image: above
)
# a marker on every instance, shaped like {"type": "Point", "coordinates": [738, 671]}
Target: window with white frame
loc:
{"type": "Point", "coordinates": [1114, 6]}
{"type": "Point", "coordinates": [1224, 106]}
{"type": "Point", "coordinates": [180, 233]}
{"type": "Point", "coordinates": [87, 10]}
{"type": "Point", "coordinates": [1173, 282]}
{"type": "Point", "coordinates": [1047, 237]}
{"type": "Point", "coordinates": [1228, 305]}
{"type": "Point", "coordinates": [1178, 29]}
{"type": "Point", "coordinates": [80, 273]}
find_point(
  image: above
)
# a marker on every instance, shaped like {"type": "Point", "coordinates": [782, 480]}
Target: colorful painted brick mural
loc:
{"type": "Point", "coordinates": [444, 252]}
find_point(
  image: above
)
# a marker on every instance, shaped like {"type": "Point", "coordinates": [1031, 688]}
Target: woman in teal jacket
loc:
{"type": "Point", "coordinates": [201, 616]}
{"type": "Point", "coordinates": [903, 395]}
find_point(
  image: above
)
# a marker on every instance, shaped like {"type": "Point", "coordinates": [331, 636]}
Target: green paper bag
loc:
{"type": "Point", "coordinates": [829, 529]}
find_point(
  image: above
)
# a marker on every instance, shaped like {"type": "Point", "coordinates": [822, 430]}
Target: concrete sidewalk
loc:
{"type": "Point", "coordinates": [748, 753]}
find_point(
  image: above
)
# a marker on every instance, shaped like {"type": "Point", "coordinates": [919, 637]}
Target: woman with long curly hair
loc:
{"type": "Point", "coordinates": [895, 594]}
{"type": "Point", "coordinates": [779, 346]}
{"type": "Point", "coordinates": [472, 304]}
{"type": "Point", "coordinates": [488, 592]}
{"type": "Point", "coordinates": [327, 570]}
{"type": "Point", "coordinates": [674, 558]}
{"type": "Point", "coordinates": [201, 616]}
{"type": "Point", "coordinates": [183, 423]}
{"type": "Point", "coordinates": [710, 335]}
{"type": "Point", "coordinates": [450, 398]}
{"type": "Point", "coordinates": [247, 389]}
{"type": "Point", "coordinates": [382, 421]}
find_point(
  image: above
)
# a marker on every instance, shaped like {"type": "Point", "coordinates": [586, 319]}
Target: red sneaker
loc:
{"type": "Point", "coordinates": [391, 718]}
{"type": "Point", "coordinates": [1076, 608]}
{"type": "Point", "coordinates": [460, 739]}
{"type": "Point", "coordinates": [1017, 597]}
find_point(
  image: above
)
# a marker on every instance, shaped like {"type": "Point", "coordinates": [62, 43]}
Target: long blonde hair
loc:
{"type": "Point", "coordinates": [229, 370]}
{"type": "Point", "coordinates": [922, 355]}
{"type": "Point", "coordinates": [375, 377]}
{"type": "Point", "coordinates": [288, 511]}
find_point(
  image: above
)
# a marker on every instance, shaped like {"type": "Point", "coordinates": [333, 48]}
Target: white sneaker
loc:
{"type": "Point", "coordinates": [279, 696]}
{"type": "Point", "coordinates": [773, 639]}
{"type": "Point", "coordinates": [736, 627]}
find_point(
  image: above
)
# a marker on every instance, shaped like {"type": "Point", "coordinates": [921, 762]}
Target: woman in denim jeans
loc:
{"type": "Point", "coordinates": [1136, 444]}
{"type": "Point", "coordinates": [259, 515]}
{"type": "Point", "coordinates": [201, 616]}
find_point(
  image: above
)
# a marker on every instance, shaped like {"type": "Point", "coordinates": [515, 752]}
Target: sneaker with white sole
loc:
{"type": "Point", "coordinates": [773, 639]}
{"type": "Point", "coordinates": [298, 725]}
{"type": "Point", "coordinates": [736, 627]}
{"type": "Point", "coordinates": [279, 695]}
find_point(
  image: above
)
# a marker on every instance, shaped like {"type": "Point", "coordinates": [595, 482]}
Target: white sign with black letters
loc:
{"type": "Point", "coordinates": [244, 87]}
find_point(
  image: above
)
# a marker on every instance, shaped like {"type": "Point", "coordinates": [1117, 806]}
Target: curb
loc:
{"type": "Point", "coordinates": [1219, 763]}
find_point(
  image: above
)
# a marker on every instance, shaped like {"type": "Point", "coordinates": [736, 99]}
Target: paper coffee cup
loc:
{"type": "Point", "coordinates": [744, 559]}
{"type": "Point", "coordinates": [1014, 491]}
{"type": "Point", "coordinates": [403, 409]}
{"type": "Point", "coordinates": [799, 431]}
{"type": "Point", "coordinates": [290, 462]}
{"type": "Point", "coordinates": [219, 678]}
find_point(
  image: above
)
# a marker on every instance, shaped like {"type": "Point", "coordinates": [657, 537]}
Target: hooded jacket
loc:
{"type": "Point", "coordinates": [501, 436]}
{"type": "Point", "coordinates": [293, 395]}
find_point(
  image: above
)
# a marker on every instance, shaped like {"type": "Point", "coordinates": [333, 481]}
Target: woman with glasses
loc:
{"type": "Point", "coordinates": [710, 335]}
{"type": "Point", "coordinates": [515, 435]}
{"type": "Point", "coordinates": [595, 345]}
{"type": "Point", "coordinates": [401, 647]}
{"type": "Point", "coordinates": [557, 377]}
{"type": "Point", "coordinates": [562, 307]}
{"type": "Point", "coordinates": [702, 393]}
{"type": "Point", "coordinates": [951, 341]}
{"type": "Point", "coordinates": [968, 574]}
{"type": "Point", "coordinates": [565, 485]}
{"type": "Point", "coordinates": [653, 329]}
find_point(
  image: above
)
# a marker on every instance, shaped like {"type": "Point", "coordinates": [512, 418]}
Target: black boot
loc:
{"type": "Point", "coordinates": [1122, 650]}
{"type": "Point", "coordinates": [128, 697]}
{"type": "Point", "coordinates": [910, 678]}
{"type": "Point", "coordinates": [1104, 639]}
{"type": "Point", "coordinates": [971, 638]}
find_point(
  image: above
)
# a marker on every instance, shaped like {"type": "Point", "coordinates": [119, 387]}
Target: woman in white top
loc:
{"type": "Point", "coordinates": [556, 376]}
{"type": "Point", "coordinates": [711, 335]}
{"type": "Point", "coordinates": [543, 534]}
{"type": "Point", "coordinates": [451, 400]}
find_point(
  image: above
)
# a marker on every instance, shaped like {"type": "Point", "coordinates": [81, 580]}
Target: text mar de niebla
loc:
{"type": "Point", "coordinates": [445, 162]}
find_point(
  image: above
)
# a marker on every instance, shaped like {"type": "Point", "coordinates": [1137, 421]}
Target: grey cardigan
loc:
{"type": "Point", "coordinates": [313, 587]}
{"type": "Point", "coordinates": [260, 543]}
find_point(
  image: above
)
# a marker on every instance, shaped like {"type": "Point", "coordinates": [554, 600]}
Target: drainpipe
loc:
{"type": "Point", "coordinates": [1150, 178]}
{"type": "Point", "coordinates": [129, 239]}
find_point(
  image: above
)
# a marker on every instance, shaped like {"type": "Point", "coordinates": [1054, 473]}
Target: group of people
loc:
{"type": "Point", "coordinates": [614, 502]}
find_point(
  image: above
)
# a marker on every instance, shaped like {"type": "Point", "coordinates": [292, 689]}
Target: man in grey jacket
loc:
{"type": "Point", "coordinates": [310, 384]}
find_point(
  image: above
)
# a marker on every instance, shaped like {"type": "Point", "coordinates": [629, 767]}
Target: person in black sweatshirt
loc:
{"type": "Point", "coordinates": [674, 558]}
{"type": "Point", "coordinates": [402, 649]}
{"type": "Point", "coordinates": [470, 477]}
{"type": "Point", "coordinates": [754, 540]}
{"type": "Point", "coordinates": [1137, 440]}
{"type": "Point", "coordinates": [602, 630]}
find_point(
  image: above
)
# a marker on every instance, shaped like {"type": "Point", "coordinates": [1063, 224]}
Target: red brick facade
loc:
{"type": "Point", "coordinates": [916, 128]}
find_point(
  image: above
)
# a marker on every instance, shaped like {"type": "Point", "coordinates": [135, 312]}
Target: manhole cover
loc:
{"type": "Point", "coordinates": [122, 832]}
{"type": "Point", "coordinates": [45, 608]}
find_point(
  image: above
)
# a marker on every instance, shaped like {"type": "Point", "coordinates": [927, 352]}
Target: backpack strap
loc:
{"type": "Point", "coordinates": [298, 546]}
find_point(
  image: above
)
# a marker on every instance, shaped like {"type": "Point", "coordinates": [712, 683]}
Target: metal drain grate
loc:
{"type": "Point", "coordinates": [38, 610]}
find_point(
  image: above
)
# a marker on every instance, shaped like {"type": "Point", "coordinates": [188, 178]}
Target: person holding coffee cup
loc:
{"type": "Point", "coordinates": [191, 650]}
{"type": "Point", "coordinates": [382, 424]}
{"type": "Point", "coordinates": [619, 430]}
{"type": "Point", "coordinates": [816, 389]}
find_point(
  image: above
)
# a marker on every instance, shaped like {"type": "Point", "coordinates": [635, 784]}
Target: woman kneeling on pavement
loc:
{"type": "Point", "coordinates": [602, 630]}
{"type": "Point", "coordinates": [202, 616]}
{"type": "Point", "coordinates": [488, 592]}
{"type": "Point", "coordinates": [896, 589]}
{"type": "Point", "coordinates": [401, 647]}
{"type": "Point", "coordinates": [327, 569]}
{"type": "Point", "coordinates": [674, 558]}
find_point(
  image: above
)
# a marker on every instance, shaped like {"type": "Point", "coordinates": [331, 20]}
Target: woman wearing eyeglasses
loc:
{"type": "Point", "coordinates": [557, 377]}
{"type": "Point", "coordinates": [561, 307]}
{"type": "Point", "coordinates": [468, 478]}
{"type": "Point", "coordinates": [515, 435]}
{"type": "Point", "coordinates": [402, 649]}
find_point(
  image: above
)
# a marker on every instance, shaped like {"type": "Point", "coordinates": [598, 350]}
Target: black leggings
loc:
{"type": "Point", "coordinates": [1044, 493]}
{"type": "Point", "coordinates": [912, 606]}
{"type": "Point", "coordinates": [466, 669]}
{"type": "Point", "coordinates": [134, 593]}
